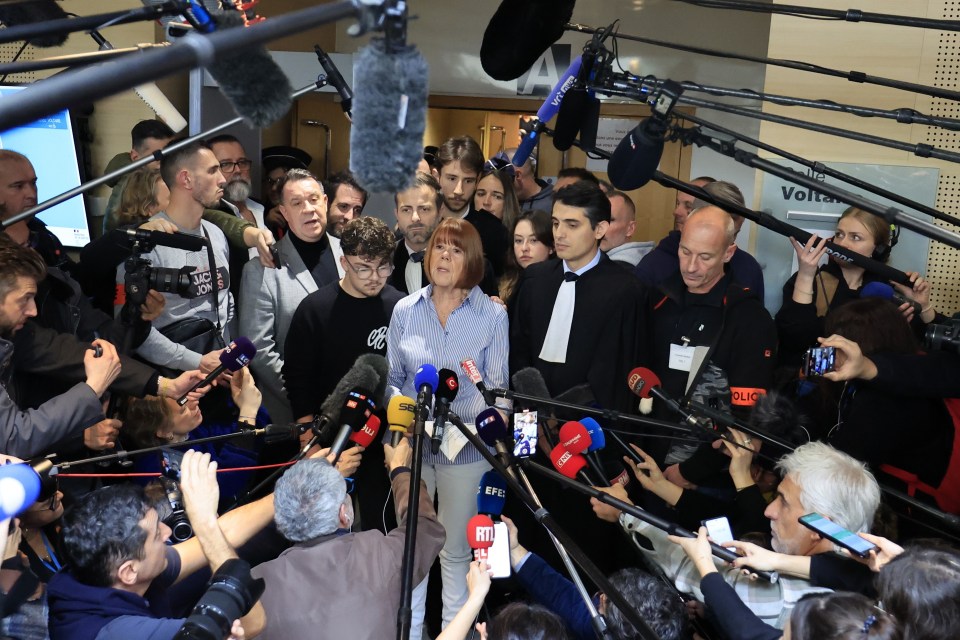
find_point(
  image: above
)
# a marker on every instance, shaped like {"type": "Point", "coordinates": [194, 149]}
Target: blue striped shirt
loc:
{"type": "Point", "coordinates": [477, 329]}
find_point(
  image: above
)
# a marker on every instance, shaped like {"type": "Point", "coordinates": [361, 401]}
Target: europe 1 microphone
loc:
{"type": "Point", "coordinates": [470, 368]}
{"type": "Point", "coordinates": [446, 393]}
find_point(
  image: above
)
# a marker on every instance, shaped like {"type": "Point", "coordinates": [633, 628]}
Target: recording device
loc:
{"type": "Point", "coordinates": [838, 535]}
{"type": "Point", "coordinates": [575, 439]}
{"type": "Point", "coordinates": [571, 465]}
{"type": "Point", "coordinates": [389, 114]}
{"type": "Point", "coordinates": [365, 374]}
{"type": "Point", "coordinates": [491, 543]}
{"type": "Point", "coordinates": [944, 337]}
{"type": "Point", "coordinates": [230, 596]}
{"type": "Point", "coordinates": [491, 494]}
{"type": "Point", "coordinates": [519, 32]}
{"type": "Point", "coordinates": [336, 80]}
{"type": "Point", "coordinates": [546, 112]}
{"type": "Point", "coordinates": [818, 361]}
{"type": "Point", "coordinates": [140, 276]}
{"type": "Point", "coordinates": [180, 528]}
{"type": "Point", "coordinates": [235, 356]}
{"type": "Point", "coordinates": [719, 530]}
{"type": "Point", "coordinates": [356, 411]}
{"type": "Point", "coordinates": [645, 383]}
{"type": "Point", "coordinates": [365, 436]}
{"type": "Point", "coordinates": [493, 431]}
{"type": "Point", "coordinates": [424, 381]}
{"type": "Point", "coordinates": [525, 435]}
{"type": "Point", "coordinates": [470, 368]}
{"type": "Point", "coordinates": [400, 415]}
{"type": "Point", "coordinates": [883, 290]}
{"type": "Point", "coordinates": [446, 393]}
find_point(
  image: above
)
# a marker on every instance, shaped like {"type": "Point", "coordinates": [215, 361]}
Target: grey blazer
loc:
{"type": "Point", "coordinates": [268, 299]}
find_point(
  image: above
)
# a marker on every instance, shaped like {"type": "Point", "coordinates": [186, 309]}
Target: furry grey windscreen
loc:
{"type": "Point", "coordinates": [257, 88]}
{"type": "Point", "coordinates": [359, 375]}
{"type": "Point", "coordinates": [389, 117]}
{"type": "Point", "coordinates": [529, 381]}
{"type": "Point", "coordinates": [379, 364]}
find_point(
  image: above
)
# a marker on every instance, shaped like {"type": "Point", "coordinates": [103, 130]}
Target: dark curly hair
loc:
{"type": "Point", "coordinates": [102, 531]}
{"type": "Point", "coordinates": [368, 238]}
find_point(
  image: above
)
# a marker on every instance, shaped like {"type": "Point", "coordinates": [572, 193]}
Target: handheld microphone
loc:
{"type": "Point", "coordinates": [480, 533]}
{"type": "Point", "coordinates": [546, 112]}
{"type": "Point", "coordinates": [645, 383]}
{"type": "Point", "coordinates": [446, 393]}
{"type": "Point", "coordinates": [425, 381]}
{"type": "Point", "coordinates": [359, 375]}
{"type": "Point", "coordinates": [571, 465]}
{"type": "Point", "coordinates": [575, 438]}
{"type": "Point", "coordinates": [367, 433]}
{"type": "Point", "coordinates": [234, 357]}
{"type": "Point", "coordinates": [336, 80]}
{"type": "Point", "coordinates": [491, 494]}
{"type": "Point", "coordinates": [389, 116]}
{"type": "Point", "coordinates": [19, 488]}
{"type": "Point", "coordinates": [637, 157]}
{"type": "Point", "coordinates": [354, 414]}
{"type": "Point", "coordinates": [519, 33]}
{"type": "Point", "coordinates": [400, 414]}
{"type": "Point", "coordinates": [251, 81]}
{"type": "Point", "coordinates": [493, 431]}
{"type": "Point", "coordinates": [470, 368]}
{"type": "Point", "coordinates": [597, 439]}
{"type": "Point", "coordinates": [885, 291]}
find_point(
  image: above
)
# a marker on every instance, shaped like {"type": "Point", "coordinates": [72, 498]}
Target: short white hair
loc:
{"type": "Point", "coordinates": [833, 484]}
{"type": "Point", "coordinates": [307, 500]}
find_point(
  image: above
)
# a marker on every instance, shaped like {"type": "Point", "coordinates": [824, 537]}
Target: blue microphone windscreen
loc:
{"type": "Point", "coordinates": [877, 290]}
{"type": "Point", "coordinates": [491, 494]}
{"type": "Point", "coordinates": [19, 488]}
{"type": "Point", "coordinates": [238, 354]}
{"type": "Point", "coordinates": [597, 439]}
{"type": "Point", "coordinates": [426, 374]}
{"type": "Point", "coordinates": [490, 426]}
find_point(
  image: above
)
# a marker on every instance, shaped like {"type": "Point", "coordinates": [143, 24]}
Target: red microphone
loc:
{"type": "Point", "coordinates": [570, 464]}
{"type": "Point", "coordinates": [574, 437]}
{"type": "Point", "coordinates": [366, 434]}
{"type": "Point", "coordinates": [480, 534]}
{"type": "Point", "coordinates": [645, 383]}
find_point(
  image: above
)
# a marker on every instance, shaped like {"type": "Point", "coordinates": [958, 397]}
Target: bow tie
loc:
{"type": "Point", "coordinates": [417, 256]}
{"type": "Point", "coordinates": [570, 276]}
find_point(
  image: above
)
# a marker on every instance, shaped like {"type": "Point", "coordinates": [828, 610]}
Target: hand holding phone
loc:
{"type": "Point", "coordinates": [838, 535]}
{"type": "Point", "coordinates": [719, 530]}
{"type": "Point", "coordinates": [819, 360]}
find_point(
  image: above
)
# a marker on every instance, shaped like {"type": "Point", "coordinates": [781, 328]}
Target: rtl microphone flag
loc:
{"type": "Point", "coordinates": [491, 494]}
{"type": "Point", "coordinates": [480, 533]}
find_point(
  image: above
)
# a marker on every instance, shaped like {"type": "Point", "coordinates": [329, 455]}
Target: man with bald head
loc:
{"type": "Point", "coordinates": [707, 333]}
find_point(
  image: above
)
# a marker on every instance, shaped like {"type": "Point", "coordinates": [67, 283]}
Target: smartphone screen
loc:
{"type": "Point", "coordinates": [819, 360]}
{"type": "Point", "coordinates": [719, 530]}
{"type": "Point", "coordinates": [524, 434]}
{"type": "Point", "coordinates": [497, 556]}
{"type": "Point", "coordinates": [835, 533]}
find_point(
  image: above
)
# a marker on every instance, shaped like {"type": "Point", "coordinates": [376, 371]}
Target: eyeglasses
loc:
{"type": "Point", "coordinates": [229, 167]}
{"type": "Point", "coordinates": [497, 164]}
{"type": "Point", "coordinates": [365, 272]}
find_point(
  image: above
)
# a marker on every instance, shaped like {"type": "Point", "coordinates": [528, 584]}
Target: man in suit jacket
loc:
{"type": "Point", "coordinates": [334, 583]}
{"type": "Point", "coordinates": [418, 213]}
{"type": "Point", "coordinates": [309, 259]}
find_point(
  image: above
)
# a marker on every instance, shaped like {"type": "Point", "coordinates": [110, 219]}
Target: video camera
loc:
{"type": "Point", "coordinates": [141, 276]}
{"type": "Point", "coordinates": [944, 337]}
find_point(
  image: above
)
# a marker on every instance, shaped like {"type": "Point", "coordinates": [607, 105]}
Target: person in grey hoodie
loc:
{"type": "Point", "coordinates": [623, 222]}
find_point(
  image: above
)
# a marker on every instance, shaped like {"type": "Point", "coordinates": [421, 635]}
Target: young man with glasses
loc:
{"type": "Point", "coordinates": [309, 259]}
{"type": "Point", "coordinates": [335, 325]}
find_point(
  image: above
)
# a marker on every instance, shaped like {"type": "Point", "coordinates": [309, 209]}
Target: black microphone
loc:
{"type": "Point", "coordinates": [389, 116]}
{"type": "Point", "coordinates": [234, 357]}
{"type": "Point", "coordinates": [336, 81]}
{"type": "Point", "coordinates": [13, 14]}
{"type": "Point", "coordinates": [519, 32]}
{"type": "Point", "coordinates": [579, 111]}
{"type": "Point", "coordinates": [354, 413]}
{"type": "Point", "coordinates": [636, 158]}
{"type": "Point", "coordinates": [359, 375]}
{"type": "Point", "coordinates": [251, 81]}
{"type": "Point", "coordinates": [445, 394]}
{"type": "Point", "coordinates": [175, 240]}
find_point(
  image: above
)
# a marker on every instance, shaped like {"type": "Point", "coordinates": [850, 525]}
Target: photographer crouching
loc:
{"type": "Point", "coordinates": [120, 564]}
